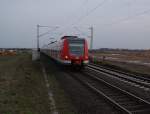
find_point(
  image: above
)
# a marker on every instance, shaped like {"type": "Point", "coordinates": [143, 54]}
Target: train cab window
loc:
{"type": "Point", "coordinates": [76, 48]}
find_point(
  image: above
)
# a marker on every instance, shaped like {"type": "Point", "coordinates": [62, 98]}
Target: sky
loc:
{"type": "Point", "coordinates": [116, 23]}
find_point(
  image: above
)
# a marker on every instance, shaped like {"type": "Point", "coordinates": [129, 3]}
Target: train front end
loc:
{"type": "Point", "coordinates": [76, 51]}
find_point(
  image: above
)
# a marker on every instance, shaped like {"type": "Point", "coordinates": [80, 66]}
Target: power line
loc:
{"type": "Point", "coordinates": [49, 31]}
{"type": "Point", "coordinates": [116, 22]}
{"type": "Point", "coordinates": [76, 28]}
{"type": "Point", "coordinates": [130, 17]}
{"type": "Point", "coordinates": [74, 12]}
{"type": "Point", "coordinates": [91, 11]}
{"type": "Point", "coordinates": [79, 7]}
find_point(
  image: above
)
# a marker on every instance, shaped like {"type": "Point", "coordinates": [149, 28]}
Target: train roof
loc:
{"type": "Point", "coordinates": [72, 38]}
{"type": "Point", "coordinates": [69, 37]}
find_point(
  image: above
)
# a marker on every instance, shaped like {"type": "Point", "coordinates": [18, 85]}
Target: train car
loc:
{"type": "Point", "coordinates": [69, 50]}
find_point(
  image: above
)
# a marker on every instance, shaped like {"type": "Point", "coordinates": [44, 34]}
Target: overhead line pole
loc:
{"type": "Point", "coordinates": [40, 35]}
{"type": "Point", "coordinates": [37, 55]}
{"type": "Point", "coordinates": [38, 49]}
{"type": "Point", "coordinates": [91, 36]}
{"type": "Point", "coordinates": [91, 42]}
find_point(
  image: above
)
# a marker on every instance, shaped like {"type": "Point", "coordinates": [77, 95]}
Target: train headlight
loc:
{"type": "Point", "coordinates": [66, 57]}
{"type": "Point", "coordinates": [86, 57]}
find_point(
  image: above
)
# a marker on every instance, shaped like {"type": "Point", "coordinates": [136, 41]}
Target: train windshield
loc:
{"type": "Point", "coordinates": [76, 47]}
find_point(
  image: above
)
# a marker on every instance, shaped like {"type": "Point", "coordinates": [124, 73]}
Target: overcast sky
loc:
{"type": "Point", "coordinates": [117, 23]}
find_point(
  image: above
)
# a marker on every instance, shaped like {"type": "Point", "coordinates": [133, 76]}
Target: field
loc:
{"type": "Point", "coordinates": [23, 89]}
{"type": "Point", "coordinates": [134, 61]}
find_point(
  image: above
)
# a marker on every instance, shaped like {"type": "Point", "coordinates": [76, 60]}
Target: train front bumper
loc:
{"type": "Point", "coordinates": [86, 61]}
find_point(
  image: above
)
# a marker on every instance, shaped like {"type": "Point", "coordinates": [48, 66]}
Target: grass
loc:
{"type": "Point", "coordinates": [127, 67]}
{"type": "Point", "coordinates": [123, 56]}
{"type": "Point", "coordinates": [22, 86]}
{"type": "Point", "coordinates": [142, 56]}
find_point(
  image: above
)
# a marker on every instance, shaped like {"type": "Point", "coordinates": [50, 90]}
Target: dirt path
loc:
{"type": "Point", "coordinates": [50, 93]}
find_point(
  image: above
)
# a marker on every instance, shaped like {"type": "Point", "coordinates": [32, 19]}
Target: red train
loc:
{"type": "Point", "coordinates": [70, 50]}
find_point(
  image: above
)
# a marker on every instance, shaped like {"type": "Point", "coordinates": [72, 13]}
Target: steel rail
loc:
{"type": "Point", "coordinates": [112, 101]}
{"type": "Point", "coordinates": [115, 87]}
{"type": "Point", "coordinates": [123, 72]}
{"type": "Point", "coordinates": [121, 76]}
{"type": "Point", "coordinates": [116, 105]}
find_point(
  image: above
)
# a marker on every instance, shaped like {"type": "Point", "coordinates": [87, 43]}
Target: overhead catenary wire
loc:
{"type": "Point", "coordinates": [78, 8]}
{"type": "Point", "coordinates": [91, 11]}
{"type": "Point", "coordinates": [82, 33]}
{"type": "Point", "coordinates": [75, 11]}
{"type": "Point", "coordinates": [109, 24]}
{"type": "Point", "coordinates": [118, 21]}
{"type": "Point", "coordinates": [129, 17]}
{"type": "Point", "coordinates": [88, 13]}
{"type": "Point", "coordinates": [48, 32]}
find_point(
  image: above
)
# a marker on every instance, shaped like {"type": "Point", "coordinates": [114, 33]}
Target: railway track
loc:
{"type": "Point", "coordinates": [123, 72]}
{"type": "Point", "coordinates": [138, 81]}
{"type": "Point", "coordinates": [121, 100]}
